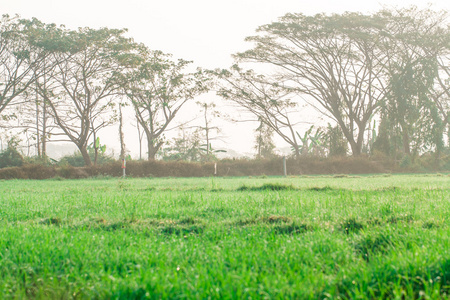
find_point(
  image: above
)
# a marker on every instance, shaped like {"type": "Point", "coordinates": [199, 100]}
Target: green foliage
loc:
{"type": "Point", "coordinates": [158, 88]}
{"type": "Point", "coordinates": [46, 161]}
{"type": "Point", "coordinates": [186, 147]}
{"type": "Point", "coordinates": [11, 158]}
{"type": "Point", "coordinates": [406, 161]}
{"type": "Point", "coordinates": [384, 140]}
{"type": "Point", "coordinates": [266, 186]}
{"type": "Point", "coordinates": [312, 144]}
{"type": "Point", "coordinates": [76, 159]}
{"type": "Point", "coordinates": [335, 142]}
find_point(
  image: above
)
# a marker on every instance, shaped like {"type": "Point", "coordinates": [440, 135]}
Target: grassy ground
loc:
{"type": "Point", "coordinates": [302, 237]}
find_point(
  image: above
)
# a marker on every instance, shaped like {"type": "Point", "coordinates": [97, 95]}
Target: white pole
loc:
{"type": "Point", "coordinates": [124, 165]}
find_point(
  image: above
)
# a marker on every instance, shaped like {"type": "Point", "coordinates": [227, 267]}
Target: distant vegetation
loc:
{"type": "Point", "coordinates": [339, 166]}
{"type": "Point", "coordinates": [380, 80]}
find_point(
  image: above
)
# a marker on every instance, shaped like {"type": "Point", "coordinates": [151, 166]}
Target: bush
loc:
{"type": "Point", "coordinates": [28, 171]}
{"type": "Point", "coordinates": [37, 171]}
{"type": "Point", "coordinates": [36, 160]}
{"type": "Point", "coordinates": [226, 167]}
{"type": "Point", "coordinates": [76, 159]}
{"type": "Point", "coordinates": [12, 173]}
{"type": "Point", "coordinates": [10, 158]}
{"type": "Point", "coordinates": [70, 172]}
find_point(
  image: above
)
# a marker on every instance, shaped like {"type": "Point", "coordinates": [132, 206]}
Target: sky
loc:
{"type": "Point", "coordinates": [207, 32]}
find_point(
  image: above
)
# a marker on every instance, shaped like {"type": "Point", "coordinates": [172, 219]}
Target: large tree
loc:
{"type": "Point", "coordinates": [332, 62]}
{"type": "Point", "coordinates": [270, 103]}
{"type": "Point", "coordinates": [416, 45]}
{"type": "Point", "coordinates": [158, 88]}
{"type": "Point", "coordinates": [82, 82]}
{"type": "Point", "coordinates": [19, 62]}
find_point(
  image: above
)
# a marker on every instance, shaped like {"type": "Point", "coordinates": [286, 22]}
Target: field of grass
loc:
{"type": "Point", "coordinates": [254, 238]}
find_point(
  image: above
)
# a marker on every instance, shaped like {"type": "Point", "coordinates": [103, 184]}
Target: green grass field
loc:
{"type": "Point", "coordinates": [304, 237]}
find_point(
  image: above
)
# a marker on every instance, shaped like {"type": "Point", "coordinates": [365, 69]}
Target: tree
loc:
{"type": "Point", "coordinates": [11, 157]}
{"type": "Point", "coordinates": [264, 141]}
{"type": "Point", "coordinates": [18, 62]}
{"type": "Point", "coordinates": [158, 89]}
{"type": "Point", "coordinates": [332, 62]}
{"type": "Point", "coordinates": [269, 102]}
{"type": "Point", "coordinates": [209, 112]}
{"type": "Point", "coordinates": [441, 91]}
{"type": "Point", "coordinates": [43, 39]}
{"type": "Point", "coordinates": [82, 83]}
{"type": "Point", "coordinates": [416, 44]}
{"type": "Point", "coordinates": [121, 135]}
{"type": "Point", "coordinates": [335, 141]}
{"type": "Point", "coordinates": [185, 147]}
{"type": "Point", "coordinates": [25, 68]}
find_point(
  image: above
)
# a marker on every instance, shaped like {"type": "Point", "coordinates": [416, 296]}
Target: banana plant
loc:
{"type": "Point", "coordinates": [96, 147]}
{"type": "Point", "coordinates": [317, 142]}
{"type": "Point", "coordinates": [304, 148]}
{"type": "Point", "coordinates": [209, 151]}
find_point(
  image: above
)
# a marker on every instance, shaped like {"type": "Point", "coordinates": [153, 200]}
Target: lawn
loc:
{"type": "Point", "coordinates": [382, 236]}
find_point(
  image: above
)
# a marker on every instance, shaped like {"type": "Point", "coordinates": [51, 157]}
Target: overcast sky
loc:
{"type": "Point", "coordinates": [205, 31]}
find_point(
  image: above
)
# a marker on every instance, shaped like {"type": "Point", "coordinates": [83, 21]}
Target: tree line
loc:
{"type": "Point", "coordinates": [382, 81]}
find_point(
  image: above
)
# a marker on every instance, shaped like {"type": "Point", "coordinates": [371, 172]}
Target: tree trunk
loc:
{"type": "Point", "coordinates": [38, 141]}
{"type": "Point", "coordinates": [348, 134]}
{"type": "Point", "coordinates": [121, 137]}
{"type": "Point", "coordinates": [85, 154]}
{"type": "Point", "coordinates": [140, 135]}
{"type": "Point", "coordinates": [95, 148]}
{"type": "Point", "coordinates": [44, 129]}
{"type": "Point", "coordinates": [406, 146]}
{"type": "Point", "coordinates": [357, 147]}
{"type": "Point", "coordinates": [153, 149]}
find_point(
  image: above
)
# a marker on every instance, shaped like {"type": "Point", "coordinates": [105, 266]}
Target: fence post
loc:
{"type": "Point", "coordinates": [284, 166]}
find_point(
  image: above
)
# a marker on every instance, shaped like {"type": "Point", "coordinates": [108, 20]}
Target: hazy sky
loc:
{"type": "Point", "coordinates": [205, 31]}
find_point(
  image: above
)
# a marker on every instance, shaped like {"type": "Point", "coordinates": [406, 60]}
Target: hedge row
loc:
{"type": "Point", "coordinates": [304, 166]}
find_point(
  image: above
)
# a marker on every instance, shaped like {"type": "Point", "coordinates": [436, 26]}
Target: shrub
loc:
{"type": "Point", "coordinates": [70, 172]}
{"type": "Point", "coordinates": [10, 158]}
{"type": "Point", "coordinates": [76, 159]}
{"type": "Point", "coordinates": [12, 173]}
{"type": "Point", "coordinates": [37, 171]}
{"type": "Point", "coordinates": [226, 167]}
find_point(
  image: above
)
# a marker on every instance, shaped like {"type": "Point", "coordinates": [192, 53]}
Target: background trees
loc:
{"type": "Point", "coordinates": [81, 83]}
{"type": "Point", "coordinates": [381, 81]}
{"type": "Point", "coordinates": [158, 88]}
{"type": "Point", "coordinates": [353, 69]}
{"type": "Point", "coordinates": [264, 144]}
{"type": "Point", "coordinates": [267, 101]}
{"type": "Point", "coordinates": [413, 46]}
{"type": "Point", "coordinates": [329, 61]}
{"type": "Point", "coordinates": [19, 62]}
